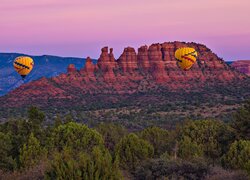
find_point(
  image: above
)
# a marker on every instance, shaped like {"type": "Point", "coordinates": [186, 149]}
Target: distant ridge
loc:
{"type": "Point", "coordinates": [45, 66]}
{"type": "Point", "coordinates": [242, 66]}
{"type": "Point", "coordinates": [229, 62]}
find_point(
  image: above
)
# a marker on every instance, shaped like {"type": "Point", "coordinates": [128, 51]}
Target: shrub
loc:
{"type": "Point", "coordinates": [111, 134]}
{"type": "Point", "coordinates": [238, 156]}
{"type": "Point", "coordinates": [31, 152]}
{"type": "Point", "coordinates": [131, 150]}
{"type": "Point", "coordinates": [157, 137]}
{"type": "Point", "coordinates": [6, 160]}
{"type": "Point", "coordinates": [76, 136]}
{"type": "Point", "coordinates": [172, 169]}
{"type": "Point", "coordinates": [96, 164]}
{"type": "Point", "coordinates": [188, 149]}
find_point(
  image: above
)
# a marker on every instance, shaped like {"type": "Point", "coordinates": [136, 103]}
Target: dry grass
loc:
{"type": "Point", "coordinates": [35, 173]}
{"type": "Point", "coordinates": [217, 173]}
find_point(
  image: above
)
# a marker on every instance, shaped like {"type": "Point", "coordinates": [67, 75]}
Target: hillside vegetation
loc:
{"type": "Point", "coordinates": [30, 148]}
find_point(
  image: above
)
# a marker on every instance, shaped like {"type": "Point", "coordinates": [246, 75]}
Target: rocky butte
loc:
{"type": "Point", "coordinates": [149, 69]}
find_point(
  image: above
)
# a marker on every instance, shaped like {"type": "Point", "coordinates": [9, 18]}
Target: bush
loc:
{"type": "Point", "coordinates": [241, 122]}
{"type": "Point", "coordinates": [31, 152]}
{"type": "Point", "coordinates": [238, 156]}
{"type": "Point", "coordinates": [96, 164]}
{"type": "Point", "coordinates": [75, 136]}
{"type": "Point", "coordinates": [111, 134]}
{"type": "Point", "coordinates": [212, 136]}
{"type": "Point", "coordinates": [188, 149]}
{"type": "Point", "coordinates": [131, 150]}
{"type": "Point", "coordinates": [158, 138]}
{"type": "Point", "coordinates": [6, 160]}
{"type": "Point", "coordinates": [160, 169]}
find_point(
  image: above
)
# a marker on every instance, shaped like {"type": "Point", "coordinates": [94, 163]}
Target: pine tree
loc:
{"type": "Point", "coordinates": [131, 150]}
{"type": "Point", "coordinates": [6, 160]}
{"type": "Point", "coordinates": [241, 122]}
{"type": "Point", "coordinates": [75, 136]}
{"type": "Point", "coordinates": [58, 121]}
{"type": "Point", "coordinates": [211, 135]}
{"type": "Point", "coordinates": [188, 149]}
{"type": "Point", "coordinates": [238, 156]}
{"type": "Point", "coordinates": [36, 116]}
{"type": "Point", "coordinates": [31, 152]}
{"type": "Point", "coordinates": [112, 134]}
{"type": "Point", "coordinates": [68, 118]}
{"type": "Point", "coordinates": [35, 122]}
{"type": "Point", "coordinates": [158, 138]}
{"type": "Point", "coordinates": [97, 164]}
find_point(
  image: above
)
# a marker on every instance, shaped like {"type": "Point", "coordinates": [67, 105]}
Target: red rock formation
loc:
{"type": "Point", "coordinates": [107, 64]}
{"type": "Point", "coordinates": [152, 69]}
{"type": "Point", "coordinates": [89, 66]}
{"type": "Point", "coordinates": [243, 66]}
{"type": "Point", "coordinates": [71, 68]}
{"type": "Point", "coordinates": [128, 60]}
{"type": "Point", "coordinates": [157, 65]}
{"type": "Point", "coordinates": [143, 61]}
{"type": "Point", "coordinates": [89, 70]}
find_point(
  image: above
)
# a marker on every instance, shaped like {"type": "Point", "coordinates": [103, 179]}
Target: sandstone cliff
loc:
{"type": "Point", "coordinates": [150, 69]}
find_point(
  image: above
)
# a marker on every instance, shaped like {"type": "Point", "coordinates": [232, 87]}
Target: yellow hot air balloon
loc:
{"type": "Point", "coordinates": [23, 65]}
{"type": "Point", "coordinates": [186, 57]}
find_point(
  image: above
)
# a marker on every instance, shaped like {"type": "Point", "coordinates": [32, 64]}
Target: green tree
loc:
{"type": "Point", "coordinates": [79, 153]}
{"type": "Point", "coordinates": [75, 136]}
{"type": "Point", "coordinates": [210, 135]}
{"type": "Point", "coordinates": [97, 164]}
{"type": "Point", "coordinates": [6, 160]}
{"type": "Point", "coordinates": [131, 150]}
{"type": "Point", "coordinates": [241, 122]}
{"type": "Point", "coordinates": [19, 130]}
{"type": "Point", "coordinates": [158, 138]}
{"type": "Point", "coordinates": [31, 153]}
{"type": "Point", "coordinates": [68, 118]}
{"type": "Point", "coordinates": [188, 149]}
{"type": "Point", "coordinates": [238, 156]}
{"type": "Point", "coordinates": [36, 119]}
{"type": "Point", "coordinates": [62, 165]}
{"type": "Point", "coordinates": [112, 134]}
{"type": "Point", "coordinates": [36, 116]}
{"type": "Point", "coordinates": [58, 121]}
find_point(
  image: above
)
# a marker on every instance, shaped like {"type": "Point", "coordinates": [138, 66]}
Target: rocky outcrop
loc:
{"type": "Point", "coordinates": [242, 66]}
{"type": "Point", "coordinates": [152, 69]}
{"type": "Point", "coordinates": [89, 66]}
{"type": "Point", "coordinates": [143, 61]}
{"type": "Point", "coordinates": [128, 60]}
{"type": "Point", "coordinates": [107, 63]}
{"type": "Point", "coordinates": [71, 68]}
{"type": "Point", "coordinates": [89, 70]}
{"type": "Point", "coordinates": [157, 65]}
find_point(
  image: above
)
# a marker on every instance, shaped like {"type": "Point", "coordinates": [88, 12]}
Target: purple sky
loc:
{"type": "Point", "coordinates": [80, 28]}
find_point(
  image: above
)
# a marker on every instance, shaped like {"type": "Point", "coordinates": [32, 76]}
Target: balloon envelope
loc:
{"type": "Point", "coordinates": [23, 65]}
{"type": "Point", "coordinates": [186, 57]}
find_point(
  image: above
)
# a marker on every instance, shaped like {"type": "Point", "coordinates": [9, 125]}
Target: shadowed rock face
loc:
{"type": "Point", "coordinates": [151, 69]}
{"type": "Point", "coordinates": [243, 66]}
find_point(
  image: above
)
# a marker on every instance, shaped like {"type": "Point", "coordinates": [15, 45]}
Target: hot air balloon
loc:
{"type": "Point", "coordinates": [185, 57]}
{"type": "Point", "coordinates": [23, 65]}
